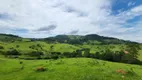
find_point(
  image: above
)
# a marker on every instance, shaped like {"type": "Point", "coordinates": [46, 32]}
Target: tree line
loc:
{"type": "Point", "coordinates": [127, 55]}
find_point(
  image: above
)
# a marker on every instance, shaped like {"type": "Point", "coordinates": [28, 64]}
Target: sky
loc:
{"type": "Point", "coordinates": [44, 18]}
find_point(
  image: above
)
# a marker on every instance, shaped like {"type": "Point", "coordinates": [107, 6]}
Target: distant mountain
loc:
{"type": "Point", "coordinates": [70, 39]}
{"type": "Point", "coordinates": [88, 39]}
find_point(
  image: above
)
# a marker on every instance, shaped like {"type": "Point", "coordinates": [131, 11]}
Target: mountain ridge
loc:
{"type": "Point", "coordinates": [72, 39]}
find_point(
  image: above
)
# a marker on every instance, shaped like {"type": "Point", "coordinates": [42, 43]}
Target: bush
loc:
{"type": "Point", "coordinates": [55, 55]}
{"type": "Point", "coordinates": [67, 54]}
{"type": "Point", "coordinates": [117, 56]}
{"type": "Point", "coordinates": [1, 47]}
{"type": "Point", "coordinates": [28, 58]}
{"type": "Point", "coordinates": [38, 45]}
{"type": "Point", "coordinates": [78, 53]}
{"type": "Point", "coordinates": [32, 47]}
{"type": "Point", "coordinates": [2, 52]}
{"type": "Point", "coordinates": [86, 53]}
{"type": "Point", "coordinates": [107, 55]}
{"type": "Point", "coordinates": [12, 52]}
{"type": "Point", "coordinates": [52, 55]}
{"type": "Point", "coordinates": [35, 54]}
{"type": "Point", "coordinates": [129, 59]}
{"type": "Point", "coordinates": [17, 46]}
{"type": "Point", "coordinates": [97, 55]}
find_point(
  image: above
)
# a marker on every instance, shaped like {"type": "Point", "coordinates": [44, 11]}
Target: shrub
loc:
{"type": "Point", "coordinates": [32, 47]}
{"type": "Point", "coordinates": [129, 59]}
{"type": "Point", "coordinates": [27, 58]}
{"type": "Point", "coordinates": [38, 45]}
{"type": "Point", "coordinates": [52, 55]}
{"type": "Point", "coordinates": [21, 62]}
{"type": "Point", "coordinates": [108, 55]}
{"type": "Point", "coordinates": [67, 54]}
{"type": "Point", "coordinates": [12, 52]}
{"type": "Point", "coordinates": [86, 52]}
{"type": "Point", "coordinates": [97, 55]}
{"type": "Point", "coordinates": [78, 53]}
{"type": "Point", "coordinates": [55, 55]}
{"type": "Point", "coordinates": [17, 46]}
{"type": "Point", "coordinates": [1, 47]}
{"type": "Point", "coordinates": [2, 52]}
{"type": "Point", "coordinates": [117, 55]}
{"type": "Point", "coordinates": [35, 54]}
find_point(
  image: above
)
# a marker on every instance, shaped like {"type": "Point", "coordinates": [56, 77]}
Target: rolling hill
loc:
{"type": "Point", "coordinates": [87, 39]}
{"type": "Point", "coordinates": [70, 39]}
{"type": "Point", "coordinates": [25, 66]}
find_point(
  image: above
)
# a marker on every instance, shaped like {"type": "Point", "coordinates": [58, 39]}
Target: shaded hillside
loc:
{"type": "Point", "coordinates": [9, 38]}
{"type": "Point", "coordinates": [12, 38]}
{"type": "Point", "coordinates": [88, 39]}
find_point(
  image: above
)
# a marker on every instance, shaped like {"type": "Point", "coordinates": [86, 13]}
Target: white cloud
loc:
{"type": "Point", "coordinates": [86, 16]}
{"type": "Point", "coordinates": [131, 4]}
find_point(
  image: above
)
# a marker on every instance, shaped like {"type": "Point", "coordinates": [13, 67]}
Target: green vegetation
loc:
{"type": "Point", "coordinates": [69, 58]}
{"type": "Point", "coordinates": [91, 39]}
{"type": "Point", "coordinates": [68, 69]}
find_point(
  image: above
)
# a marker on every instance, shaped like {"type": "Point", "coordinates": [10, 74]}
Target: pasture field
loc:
{"type": "Point", "coordinates": [68, 69]}
{"type": "Point", "coordinates": [65, 68]}
{"type": "Point", "coordinates": [24, 46]}
{"type": "Point", "coordinates": [59, 47]}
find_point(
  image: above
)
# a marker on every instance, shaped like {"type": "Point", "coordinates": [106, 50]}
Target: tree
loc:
{"type": "Point", "coordinates": [12, 52]}
{"type": "Point", "coordinates": [67, 54]}
{"type": "Point", "coordinates": [54, 55]}
{"type": "Point", "coordinates": [35, 54]}
{"type": "Point", "coordinates": [131, 53]}
{"type": "Point", "coordinates": [51, 48]}
{"type": "Point", "coordinates": [1, 47]}
{"type": "Point", "coordinates": [86, 52]}
{"type": "Point", "coordinates": [107, 55]}
{"type": "Point", "coordinates": [97, 55]}
{"type": "Point", "coordinates": [117, 55]}
{"type": "Point", "coordinates": [132, 50]}
{"type": "Point", "coordinates": [78, 53]}
{"type": "Point", "coordinates": [17, 46]}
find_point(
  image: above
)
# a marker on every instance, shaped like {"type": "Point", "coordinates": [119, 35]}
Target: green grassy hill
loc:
{"type": "Point", "coordinates": [90, 39]}
{"type": "Point", "coordinates": [45, 47]}
{"type": "Point", "coordinates": [78, 68]}
{"type": "Point", "coordinates": [9, 38]}
{"type": "Point", "coordinates": [68, 69]}
{"type": "Point", "coordinates": [60, 43]}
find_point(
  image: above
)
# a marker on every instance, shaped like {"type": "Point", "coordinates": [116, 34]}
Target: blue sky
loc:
{"type": "Point", "coordinates": [124, 5]}
{"type": "Point", "coordinates": [43, 18]}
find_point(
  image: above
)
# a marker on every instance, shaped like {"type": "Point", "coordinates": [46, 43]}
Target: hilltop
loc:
{"type": "Point", "coordinates": [87, 39]}
{"type": "Point", "coordinates": [90, 39]}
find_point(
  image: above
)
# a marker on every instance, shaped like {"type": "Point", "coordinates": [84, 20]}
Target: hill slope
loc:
{"type": "Point", "coordinates": [9, 38]}
{"type": "Point", "coordinates": [88, 39]}
{"type": "Point", "coordinates": [68, 69]}
{"type": "Point", "coordinates": [70, 39]}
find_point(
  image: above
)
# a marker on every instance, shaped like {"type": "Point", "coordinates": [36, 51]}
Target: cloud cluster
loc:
{"type": "Point", "coordinates": [4, 16]}
{"type": "Point", "coordinates": [74, 32]}
{"type": "Point", "coordinates": [43, 18]}
{"type": "Point", "coordinates": [47, 28]}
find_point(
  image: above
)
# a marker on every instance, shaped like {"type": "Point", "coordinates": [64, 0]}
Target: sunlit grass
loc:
{"type": "Point", "coordinates": [67, 69]}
